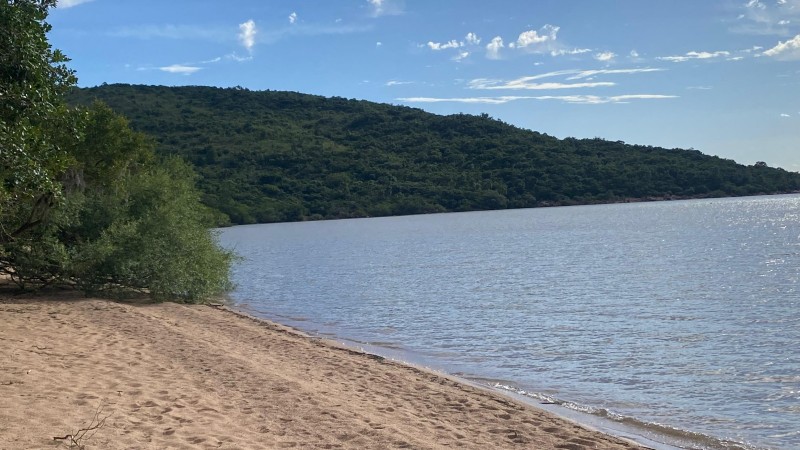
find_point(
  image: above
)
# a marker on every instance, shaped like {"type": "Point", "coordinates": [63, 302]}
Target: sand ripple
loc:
{"type": "Point", "coordinates": [175, 376]}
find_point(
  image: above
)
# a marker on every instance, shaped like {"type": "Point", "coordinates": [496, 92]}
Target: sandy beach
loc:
{"type": "Point", "coordinates": [180, 376]}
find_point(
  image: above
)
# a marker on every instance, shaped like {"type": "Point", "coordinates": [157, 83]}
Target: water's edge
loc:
{"type": "Point", "coordinates": [649, 435]}
{"type": "Point", "coordinates": [674, 322]}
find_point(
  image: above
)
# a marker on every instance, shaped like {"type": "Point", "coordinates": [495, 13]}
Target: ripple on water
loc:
{"type": "Point", "coordinates": [683, 314]}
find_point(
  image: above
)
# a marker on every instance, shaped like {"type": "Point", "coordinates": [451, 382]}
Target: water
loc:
{"type": "Point", "coordinates": [680, 314]}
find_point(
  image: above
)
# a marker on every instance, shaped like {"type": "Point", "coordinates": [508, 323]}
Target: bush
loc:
{"type": "Point", "coordinates": [156, 242]}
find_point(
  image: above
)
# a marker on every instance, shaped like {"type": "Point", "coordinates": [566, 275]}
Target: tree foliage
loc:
{"type": "Point", "coordinates": [33, 116]}
{"type": "Point", "coordinates": [282, 156]}
{"type": "Point", "coordinates": [85, 200]}
{"type": "Point", "coordinates": [138, 221]}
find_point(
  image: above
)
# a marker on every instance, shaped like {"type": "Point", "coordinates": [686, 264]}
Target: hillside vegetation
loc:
{"type": "Point", "coordinates": [281, 156]}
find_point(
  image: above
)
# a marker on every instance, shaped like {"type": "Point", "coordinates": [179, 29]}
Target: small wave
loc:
{"type": "Point", "coordinates": [785, 435]}
{"type": "Point", "coordinates": [775, 379]}
{"type": "Point", "coordinates": [384, 344]}
{"type": "Point", "coordinates": [656, 432]}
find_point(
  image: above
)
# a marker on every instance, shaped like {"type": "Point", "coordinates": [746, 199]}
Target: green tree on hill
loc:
{"type": "Point", "coordinates": [270, 156]}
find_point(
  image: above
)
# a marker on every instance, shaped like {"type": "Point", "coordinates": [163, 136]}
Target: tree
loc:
{"type": "Point", "coordinates": [85, 201]}
{"type": "Point", "coordinates": [33, 117]}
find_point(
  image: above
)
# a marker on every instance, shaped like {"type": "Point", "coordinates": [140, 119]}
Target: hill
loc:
{"type": "Point", "coordinates": [267, 156]}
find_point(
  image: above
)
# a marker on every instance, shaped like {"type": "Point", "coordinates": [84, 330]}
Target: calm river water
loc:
{"type": "Point", "coordinates": [678, 318]}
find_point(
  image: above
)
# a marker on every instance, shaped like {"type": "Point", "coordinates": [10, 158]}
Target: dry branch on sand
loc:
{"type": "Point", "coordinates": [79, 438]}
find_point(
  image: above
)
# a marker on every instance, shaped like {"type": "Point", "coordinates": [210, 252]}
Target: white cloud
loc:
{"type": "Point", "coordinates": [596, 100]}
{"type": "Point", "coordinates": [385, 7]}
{"type": "Point", "coordinates": [237, 58]}
{"type": "Point", "coordinates": [293, 17]}
{"type": "Point", "coordinates": [700, 88]}
{"type": "Point", "coordinates": [786, 51]}
{"type": "Point", "coordinates": [529, 82]}
{"type": "Point", "coordinates": [398, 83]}
{"type": "Point", "coordinates": [579, 74]}
{"type": "Point", "coordinates": [529, 38]}
{"type": "Point", "coordinates": [271, 36]}
{"type": "Point", "coordinates": [537, 41]}
{"type": "Point", "coordinates": [574, 51]}
{"type": "Point", "coordinates": [172, 32]}
{"type": "Point", "coordinates": [181, 69]}
{"type": "Point", "coordinates": [694, 55]}
{"type": "Point", "coordinates": [485, 100]}
{"type": "Point", "coordinates": [379, 44]}
{"type": "Point", "coordinates": [493, 48]}
{"type": "Point", "coordinates": [605, 56]}
{"type": "Point", "coordinates": [377, 6]}
{"type": "Point", "coordinates": [543, 40]}
{"type": "Point", "coordinates": [70, 3]}
{"type": "Point", "coordinates": [532, 37]}
{"type": "Point", "coordinates": [785, 115]}
{"type": "Point", "coordinates": [761, 17]}
{"type": "Point", "coordinates": [633, 54]}
{"type": "Point", "coordinates": [470, 39]}
{"type": "Point", "coordinates": [462, 55]}
{"type": "Point", "coordinates": [439, 46]}
{"type": "Point", "coordinates": [706, 55]}
{"type": "Point", "coordinates": [526, 83]}
{"type": "Point", "coordinates": [247, 34]}
{"type": "Point", "coordinates": [752, 49]}
{"type": "Point", "coordinates": [574, 99]}
{"type": "Point", "coordinates": [192, 67]}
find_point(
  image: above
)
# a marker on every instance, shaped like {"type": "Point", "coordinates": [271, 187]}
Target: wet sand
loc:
{"type": "Point", "coordinates": [181, 376]}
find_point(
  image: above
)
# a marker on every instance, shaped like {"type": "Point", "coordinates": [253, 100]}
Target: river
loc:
{"type": "Point", "coordinates": [680, 319]}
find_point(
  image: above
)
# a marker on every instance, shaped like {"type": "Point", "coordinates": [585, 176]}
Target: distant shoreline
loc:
{"type": "Point", "coordinates": [543, 205]}
{"type": "Point", "coordinates": [193, 376]}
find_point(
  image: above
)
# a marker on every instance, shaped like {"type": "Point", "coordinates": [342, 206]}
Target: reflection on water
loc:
{"type": "Point", "coordinates": [684, 313]}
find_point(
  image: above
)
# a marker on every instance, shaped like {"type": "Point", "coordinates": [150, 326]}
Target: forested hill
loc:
{"type": "Point", "coordinates": [282, 156]}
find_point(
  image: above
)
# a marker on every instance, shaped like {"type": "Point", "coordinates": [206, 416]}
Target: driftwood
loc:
{"type": "Point", "coordinates": [78, 438]}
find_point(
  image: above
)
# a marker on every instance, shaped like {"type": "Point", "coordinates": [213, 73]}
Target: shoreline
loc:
{"type": "Point", "coordinates": [637, 435]}
{"type": "Point", "coordinates": [648, 435]}
{"type": "Point", "coordinates": [188, 376]}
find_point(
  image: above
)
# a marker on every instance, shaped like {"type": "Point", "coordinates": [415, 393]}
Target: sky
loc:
{"type": "Point", "coordinates": [719, 76]}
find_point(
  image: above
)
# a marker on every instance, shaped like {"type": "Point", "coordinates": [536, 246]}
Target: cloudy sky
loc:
{"type": "Point", "coordinates": [720, 76]}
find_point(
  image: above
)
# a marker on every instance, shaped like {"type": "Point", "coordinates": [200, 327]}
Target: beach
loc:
{"type": "Point", "coordinates": [191, 376]}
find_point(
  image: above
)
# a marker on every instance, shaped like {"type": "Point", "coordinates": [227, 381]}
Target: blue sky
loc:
{"type": "Point", "coordinates": [720, 76]}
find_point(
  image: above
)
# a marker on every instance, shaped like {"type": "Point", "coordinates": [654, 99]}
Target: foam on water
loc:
{"type": "Point", "coordinates": [655, 435]}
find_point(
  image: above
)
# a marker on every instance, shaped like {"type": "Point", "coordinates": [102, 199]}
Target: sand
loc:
{"type": "Point", "coordinates": [180, 376]}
